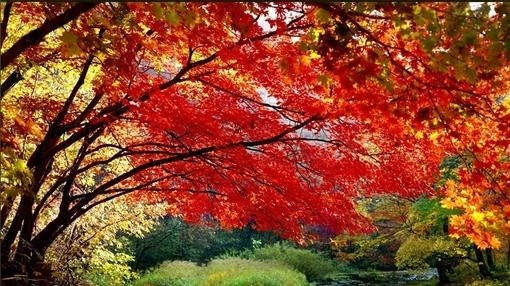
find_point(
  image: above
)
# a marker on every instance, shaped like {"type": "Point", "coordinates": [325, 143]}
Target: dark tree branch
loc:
{"type": "Point", "coordinates": [277, 108]}
{"type": "Point", "coordinates": [199, 152]}
{"type": "Point", "coordinates": [119, 108]}
{"type": "Point", "coordinates": [66, 217]}
{"type": "Point", "coordinates": [6, 209]}
{"type": "Point", "coordinates": [145, 185]}
{"type": "Point", "coordinates": [105, 117]}
{"type": "Point", "coordinates": [81, 80]}
{"type": "Point", "coordinates": [9, 82]}
{"type": "Point", "coordinates": [5, 21]}
{"type": "Point", "coordinates": [37, 35]}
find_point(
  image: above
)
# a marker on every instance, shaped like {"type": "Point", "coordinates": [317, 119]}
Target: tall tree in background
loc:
{"type": "Point", "coordinates": [278, 114]}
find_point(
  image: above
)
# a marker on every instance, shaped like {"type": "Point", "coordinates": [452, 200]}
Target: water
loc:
{"type": "Point", "coordinates": [368, 278]}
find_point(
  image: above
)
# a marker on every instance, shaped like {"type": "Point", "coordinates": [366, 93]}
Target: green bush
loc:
{"type": "Point", "coordinates": [486, 283]}
{"type": "Point", "coordinates": [176, 273]}
{"type": "Point", "coordinates": [223, 272]}
{"type": "Point", "coordinates": [240, 272]}
{"type": "Point", "coordinates": [313, 265]}
{"type": "Point", "coordinates": [173, 239]}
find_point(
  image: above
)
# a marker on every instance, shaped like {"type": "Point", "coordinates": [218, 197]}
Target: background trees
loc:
{"type": "Point", "coordinates": [277, 114]}
{"type": "Point", "coordinates": [173, 239]}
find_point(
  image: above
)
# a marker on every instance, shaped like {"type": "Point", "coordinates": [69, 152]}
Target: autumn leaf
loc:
{"type": "Point", "coordinates": [203, 106]}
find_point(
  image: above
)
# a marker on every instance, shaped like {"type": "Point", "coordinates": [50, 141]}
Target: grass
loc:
{"type": "Point", "coordinates": [313, 265]}
{"type": "Point", "coordinates": [223, 272]}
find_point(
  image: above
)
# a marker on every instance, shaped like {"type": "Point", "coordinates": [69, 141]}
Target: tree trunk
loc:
{"type": "Point", "coordinates": [490, 259]}
{"type": "Point", "coordinates": [441, 272]}
{"type": "Point", "coordinates": [482, 266]}
{"type": "Point", "coordinates": [508, 257]}
{"type": "Point", "coordinates": [24, 264]}
{"type": "Point", "coordinates": [27, 267]}
{"type": "Point", "coordinates": [6, 209]}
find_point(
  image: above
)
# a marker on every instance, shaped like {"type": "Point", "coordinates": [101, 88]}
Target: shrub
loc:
{"type": "Point", "coordinates": [239, 272]}
{"type": "Point", "coordinates": [313, 265]}
{"type": "Point", "coordinates": [107, 267]}
{"type": "Point", "coordinates": [223, 272]}
{"type": "Point", "coordinates": [176, 273]}
{"type": "Point", "coordinates": [174, 239]}
{"type": "Point", "coordinates": [486, 283]}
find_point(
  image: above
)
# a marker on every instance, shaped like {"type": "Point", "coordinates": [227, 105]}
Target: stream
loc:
{"type": "Point", "coordinates": [381, 278]}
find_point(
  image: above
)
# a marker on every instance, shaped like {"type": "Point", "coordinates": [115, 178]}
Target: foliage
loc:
{"type": "Point", "coordinates": [107, 267]}
{"type": "Point", "coordinates": [175, 273]}
{"type": "Point", "coordinates": [313, 265]}
{"type": "Point", "coordinates": [422, 253]}
{"type": "Point", "coordinates": [248, 272]}
{"type": "Point", "coordinates": [426, 243]}
{"type": "Point", "coordinates": [225, 272]}
{"type": "Point", "coordinates": [377, 250]}
{"type": "Point", "coordinates": [486, 283]}
{"type": "Point", "coordinates": [483, 217]}
{"type": "Point", "coordinates": [173, 239]}
{"type": "Point", "coordinates": [92, 249]}
{"type": "Point", "coordinates": [428, 218]}
{"type": "Point", "coordinates": [279, 114]}
{"type": "Point", "coordinates": [15, 175]}
{"type": "Point", "coordinates": [411, 234]}
{"type": "Point", "coordinates": [478, 213]}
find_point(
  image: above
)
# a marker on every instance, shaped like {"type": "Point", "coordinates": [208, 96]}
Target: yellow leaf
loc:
{"type": "Point", "coordinates": [35, 130]}
{"type": "Point", "coordinates": [314, 55]}
{"type": "Point", "coordinates": [305, 60]}
{"type": "Point", "coordinates": [478, 216]}
{"type": "Point", "coordinates": [434, 135]}
{"type": "Point", "coordinates": [448, 203]}
{"type": "Point", "coordinates": [418, 135]}
{"type": "Point", "coordinates": [494, 242]}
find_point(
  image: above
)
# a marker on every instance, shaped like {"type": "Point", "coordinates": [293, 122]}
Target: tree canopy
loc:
{"type": "Point", "coordinates": [281, 115]}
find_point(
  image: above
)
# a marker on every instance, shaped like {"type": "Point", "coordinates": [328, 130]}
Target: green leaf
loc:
{"type": "Point", "coordinates": [434, 28]}
{"type": "Point", "coordinates": [470, 37]}
{"type": "Point", "coordinates": [191, 19]}
{"type": "Point", "coordinates": [70, 43]}
{"type": "Point", "coordinates": [303, 47]}
{"type": "Point", "coordinates": [398, 21]}
{"type": "Point", "coordinates": [507, 48]}
{"type": "Point", "coordinates": [429, 15]}
{"type": "Point", "coordinates": [470, 75]}
{"type": "Point", "coordinates": [172, 17]}
{"type": "Point", "coordinates": [429, 43]}
{"type": "Point", "coordinates": [69, 37]}
{"type": "Point", "coordinates": [158, 11]}
{"type": "Point", "coordinates": [322, 16]}
{"type": "Point", "coordinates": [492, 34]}
{"type": "Point", "coordinates": [324, 80]}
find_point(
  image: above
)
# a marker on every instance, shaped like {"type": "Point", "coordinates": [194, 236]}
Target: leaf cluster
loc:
{"type": "Point", "coordinates": [422, 253]}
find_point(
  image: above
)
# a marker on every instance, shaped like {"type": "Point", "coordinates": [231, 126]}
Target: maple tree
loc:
{"type": "Point", "coordinates": [279, 114]}
{"type": "Point", "coordinates": [457, 47]}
